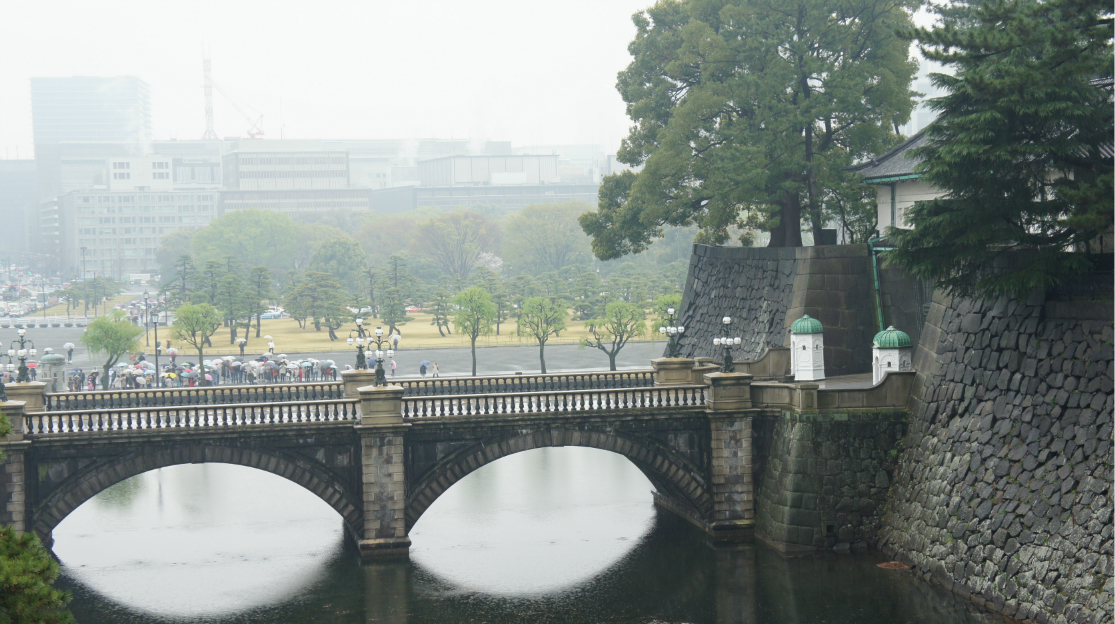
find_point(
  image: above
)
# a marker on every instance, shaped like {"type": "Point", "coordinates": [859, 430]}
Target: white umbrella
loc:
{"type": "Point", "coordinates": [269, 337]}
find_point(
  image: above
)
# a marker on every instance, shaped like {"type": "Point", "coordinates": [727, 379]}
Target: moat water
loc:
{"type": "Point", "coordinates": [550, 535]}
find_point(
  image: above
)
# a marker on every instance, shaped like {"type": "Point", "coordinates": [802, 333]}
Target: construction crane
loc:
{"type": "Point", "coordinates": [255, 128]}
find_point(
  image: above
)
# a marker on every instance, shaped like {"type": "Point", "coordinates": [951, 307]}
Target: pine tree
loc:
{"type": "Point", "coordinates": [1016, 146]}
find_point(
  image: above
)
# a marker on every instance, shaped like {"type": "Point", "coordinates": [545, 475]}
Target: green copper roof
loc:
{"type": "Point", "coordinates": [807, 325]}
{"type": "Point", "coordinates": [891, 338]}
{"type": "Point", "coordinates": [52, 358]}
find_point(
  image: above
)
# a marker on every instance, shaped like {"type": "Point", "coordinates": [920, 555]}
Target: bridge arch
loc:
{"type": "Point", "coordinates": [670, 473]}
{"type": "Point", "coordinates": [100, 476]}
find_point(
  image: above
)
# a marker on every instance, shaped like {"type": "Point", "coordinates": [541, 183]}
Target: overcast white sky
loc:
{"type": "Point", "coordinates": [527, 71]}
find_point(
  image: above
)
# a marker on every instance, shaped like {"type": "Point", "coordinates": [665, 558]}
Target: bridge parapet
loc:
{"type": "Point", "coordinates": [208, 395]}
{"type": "Point", "coordinates": [570, 401]}
{"type": "Point", "coordinates": [101, 421]}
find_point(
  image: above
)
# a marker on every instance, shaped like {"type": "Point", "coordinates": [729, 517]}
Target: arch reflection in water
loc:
{"type": "Point", "coordinates": [199, 540]}
{"type": "Point", "coordinates": [535, 522]}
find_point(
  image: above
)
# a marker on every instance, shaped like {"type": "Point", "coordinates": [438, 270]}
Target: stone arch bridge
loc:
{"type": "Point", "coordinates": [381, 456]}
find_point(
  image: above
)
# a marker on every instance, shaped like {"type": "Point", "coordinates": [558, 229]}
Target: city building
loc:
{"type": "Point", "coordinates": [116, 233]}
{"type": "Point", "coordinates": [113, 114]}
{"type": "Point", "coordinates": [88, 109]}
{"type": "Point", "coordinates": [522, 169]}
{"type": "Point", "coordinates": [509, 197]}
{"type": "Point", "coordinates": [18, 192]}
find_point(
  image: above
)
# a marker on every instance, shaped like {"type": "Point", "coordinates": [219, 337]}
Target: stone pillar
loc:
{"type": "Point", "coordinates": [804, 397]}
{"type": "Point", "coordinates": [672, 371]}
{"type": "Point", "coordinates": [31, 393]}
{"type": "Point", "coordinates": [354, 380]}
{"type": "Point", "coordinates": [382, 442]}
{"type": "Point", "coordinates": [733, 486]}
{"type": "Point", "coordinates": [13, 502]}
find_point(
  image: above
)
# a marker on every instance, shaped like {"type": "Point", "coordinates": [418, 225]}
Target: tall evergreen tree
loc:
{"type": "Point", "coordinates": [749, 111]}
{"type": "Point", "coordinates": [1016, 146]}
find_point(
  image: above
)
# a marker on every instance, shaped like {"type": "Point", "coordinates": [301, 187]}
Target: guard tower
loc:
{"type": "Point", "coordinates": [890, 352]}
{"type": "Point", "coordinates": [807, 348]}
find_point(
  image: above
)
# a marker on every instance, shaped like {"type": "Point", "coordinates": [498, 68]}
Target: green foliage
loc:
{"type": "Point", "coordinates": [661, 308]}
{"type": "Point", "coordinates": [1015, 146]}
{"type": "Point", "coordinates": [747, 112]}
{"type": "Point", "coordinates": [343, 258]}
{"type": "Point", "coordinates": [26, 573]}
{"type": "Point", "coordinates": [541, 318]}
{"type": "Point", "coordinates": [610, 333]}
{"type": "Point", "coordinates": [440, 311]}
{"type": "Point", "coordinates": [456, 243]}
{"type": "Point", "coordinates": [393, 310]}
{"type": "Point", "coordinates": [254, 237]}
{"type": "Point", "coordinates": [194, 324]}
{"type": "Point", "coordinates": [546, 237]}
{"type": "Point", "coordinates": [474, 316]}
{"type": "Point", "coordinates": [258, 291]}
{"type": "Point", "coordinates": [172, 247]}
{"type": "Point", "coordinates": [111, 336]}
{"type": "Point", "coordinates": [316, 296]}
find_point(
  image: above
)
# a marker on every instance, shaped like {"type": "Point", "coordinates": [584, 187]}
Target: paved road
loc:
{"type": "Point", "coordinates": [452, 361]}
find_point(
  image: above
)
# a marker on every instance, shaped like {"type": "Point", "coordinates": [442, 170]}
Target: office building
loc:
{"type": "Point", "coordinates": [17, 193]}
{"type": "Point", "coordinates": [522, 169]}
{"type": "Point", "coordinates": [118, 230]}
{"type": "Point", "coordinates": [88, 109]}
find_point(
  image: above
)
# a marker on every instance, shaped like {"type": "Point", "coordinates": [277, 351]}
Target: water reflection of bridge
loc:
{"type": "Point", "coordinates": [380, 456]}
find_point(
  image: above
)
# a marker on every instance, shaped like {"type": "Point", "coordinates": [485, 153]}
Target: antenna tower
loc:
{"type": "Point", "coordinates": [210, 130]}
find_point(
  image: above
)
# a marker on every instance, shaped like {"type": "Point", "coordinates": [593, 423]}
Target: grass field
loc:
{"type": "Point", "coordinates": [419, 333]}
{"type": "Point", "coordinates": [79, 311]}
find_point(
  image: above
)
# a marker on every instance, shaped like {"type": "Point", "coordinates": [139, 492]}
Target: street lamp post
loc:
{"type": "Point", "coordinates": [85, 283]}
{"type": "Point", "coordinates": [19, 348]}
{"type": "Point", "coordinates": [147, 318]}
{"type": "Point", "coordinates": [728, 366]}
{"type": "Point", "coordinates": [672, 330]}
{"type": "Point", "coordinates": [361, 361]}
{"type": "Point", "coordinates": [42, 285]}
{"type": "Point", "coordinates": [381, 376]}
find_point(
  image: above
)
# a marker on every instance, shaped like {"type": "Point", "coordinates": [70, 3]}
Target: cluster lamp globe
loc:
{"type": "Point", "coordinates": [728, 366]}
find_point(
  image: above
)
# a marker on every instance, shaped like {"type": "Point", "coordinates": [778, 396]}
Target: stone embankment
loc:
{"type": "Point", "coordinates": [1004, 488]}
{"type": "Point", "coordinates": [765, 289]}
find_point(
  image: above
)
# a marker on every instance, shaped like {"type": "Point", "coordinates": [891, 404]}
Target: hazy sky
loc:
{"type": "Point", "coordinates": [527, 71]}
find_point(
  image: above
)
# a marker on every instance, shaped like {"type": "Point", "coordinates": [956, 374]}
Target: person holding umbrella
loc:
{"type": "Point", "coordinates": [422, 367]}
{"type": "Point", "coordinates": [69, 347]}
{"type": "Point", "coordinates": [435, 370]}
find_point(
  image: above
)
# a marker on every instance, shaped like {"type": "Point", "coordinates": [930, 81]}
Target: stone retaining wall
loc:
{"type": "Point", "coordinates": [766, 289]}
{"type": "Point", "coordinates": [826, 477]}
{"type": "Point", "coordinates": [1003, 491]}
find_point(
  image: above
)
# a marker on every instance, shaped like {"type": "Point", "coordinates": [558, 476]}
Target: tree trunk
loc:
{"type": "Point", "coordinates": [439, 330]}
{"type": "Point", "coordinates": [232, 332]}
{"type": "Point", "coordinates": [208, 342]}
{"type": "Point", "coordinates": [612, 359]}
{"type": "Point", "coordinates": [473, 357]}
{"type": "Point", "coordinates": [258, 323]}
{"type": "Point", "coordinates": [542, 355]}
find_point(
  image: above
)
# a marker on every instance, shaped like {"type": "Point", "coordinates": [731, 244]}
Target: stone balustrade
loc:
{"type": "Point", "coordinates": [99, 421]}
{"type": "Point", "coordinates": [555, 402]}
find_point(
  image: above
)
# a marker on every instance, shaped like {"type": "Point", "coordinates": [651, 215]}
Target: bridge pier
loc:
{"type": "Point", "coordinates": [13, 471]}
{"type": "Point", "coordinates": [383, 473]}
{"type": "Point", "coordinates": [733, 487]}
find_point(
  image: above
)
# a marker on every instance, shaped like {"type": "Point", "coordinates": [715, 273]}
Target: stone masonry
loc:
{"type": "Point", "coordinates": [1004, 488]}
{"type": "Point", "coordinates": [384, 483]}
{"type": "Point", "coordinates": [766, 289]}
{"type": "Point", "coordinates": [733, 488]}
{"type": "Point", "coordinates": [827, 477]}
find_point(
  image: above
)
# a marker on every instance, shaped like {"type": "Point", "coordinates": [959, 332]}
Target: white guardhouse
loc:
{"type": "Point", "coordinates": [890, 352]}
{"type": "Point", "coordinates": [807, 348]}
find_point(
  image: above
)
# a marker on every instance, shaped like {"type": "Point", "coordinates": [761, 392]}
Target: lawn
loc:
{"type": "Point", "coordinates": [419, 333]}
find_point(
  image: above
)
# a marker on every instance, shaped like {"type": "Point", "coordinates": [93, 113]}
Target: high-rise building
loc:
{"type": "Point", "coordinates": [17, 194]}
{"type": "Point", "coordinates": [80, 108]}
{"type": "Point", "coordinates": [98, 117]}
